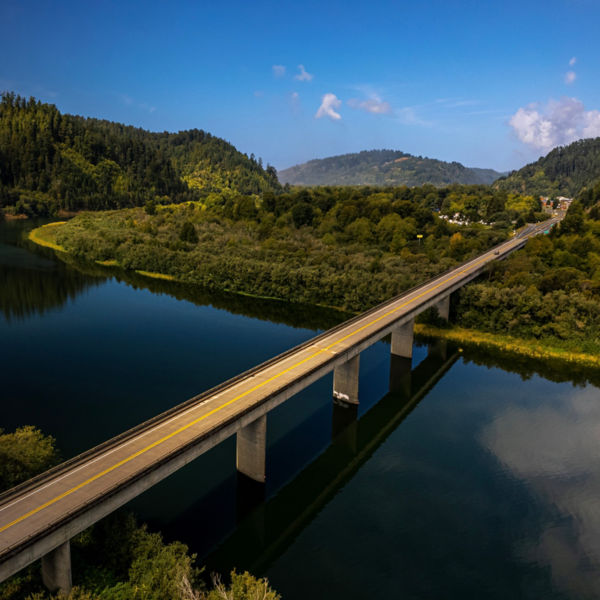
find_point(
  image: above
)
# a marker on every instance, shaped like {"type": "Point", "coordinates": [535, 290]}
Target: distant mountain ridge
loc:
{"type": "Point", "coordinates": [564, 171]}
{"type": "Point", "coordinates": [384, 168]}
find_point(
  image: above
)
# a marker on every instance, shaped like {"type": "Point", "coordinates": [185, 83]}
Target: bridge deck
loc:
{"type": "Point", "coordinates": [27, 515]}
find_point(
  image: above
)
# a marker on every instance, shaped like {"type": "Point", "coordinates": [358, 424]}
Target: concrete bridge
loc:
{"type": "Point", "coordinates": [39, 517]}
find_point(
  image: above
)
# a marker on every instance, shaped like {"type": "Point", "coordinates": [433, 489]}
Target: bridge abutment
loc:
{"type": "Point", "coordinates": [56, 569]}
{"type": "Point", "coordinates": [345, 381]}
{"type": "Point", "coordinates": [251, 451]}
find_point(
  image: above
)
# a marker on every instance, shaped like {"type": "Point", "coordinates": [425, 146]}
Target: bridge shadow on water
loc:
{"type": "Point", "coordinates": [248, 525]}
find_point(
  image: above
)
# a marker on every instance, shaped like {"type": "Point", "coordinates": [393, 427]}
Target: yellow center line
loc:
{"type": "Point", "coordinates": [235, 399]}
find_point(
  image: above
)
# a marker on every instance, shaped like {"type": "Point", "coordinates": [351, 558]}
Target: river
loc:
{"type": "Point", "coordinates": [476, 476]}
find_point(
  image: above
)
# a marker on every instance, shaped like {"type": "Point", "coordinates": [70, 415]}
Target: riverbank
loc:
{"type": "Point", "coordinates": [523, 347]}
{"type": "Point", "coordinates": [46, 236]}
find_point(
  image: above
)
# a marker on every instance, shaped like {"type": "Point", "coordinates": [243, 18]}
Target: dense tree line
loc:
{"type": "Point", "coordinates": [384, 167]}
{"type": "Point", "coordinates": [50, 161]}
{"type": "Point", "coordinates": [565, 171]}
{"type": "Point", "coordinates": [343, 247]}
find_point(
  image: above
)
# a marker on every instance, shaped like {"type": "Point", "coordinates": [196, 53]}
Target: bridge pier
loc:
{"type": "Point", "coordinates": [443, 308]}
{"type": "Point", "coordinates": [251, 449]}
{"type": "Point", "coordinates": [56, 569]}
{"type": "Point", "coordinates": [402, 339]}
{"type": "Point", "coordinates": [345, 381]}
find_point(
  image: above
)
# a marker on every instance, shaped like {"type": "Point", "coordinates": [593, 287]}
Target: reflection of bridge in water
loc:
{"type": "Point", "coordinates": [266, 529]}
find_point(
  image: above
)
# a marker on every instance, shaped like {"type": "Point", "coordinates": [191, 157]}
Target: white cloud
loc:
{"type": "Point", "coordinates": [329, 103]}
{"type": "Point", "coordinates": [278, 70]}
{"type": "Point", "coordinates": [303, 75]}
{"type": "Point", "coordinates": [572, 61]}
{"type": "Point", "coordinates": [558, 123]}
{"type": "Point", "coordinates": [374, 105]}
{"type": "Point", "coordinates": [570, 77]}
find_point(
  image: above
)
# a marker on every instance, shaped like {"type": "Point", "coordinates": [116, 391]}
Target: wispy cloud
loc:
{"type": "Point", "coordinates": [408, 116]}
{"type": "Point", "coordinates": [570, 77]}
{"type": "Point", "coordinates": [558, 123]}
{"type": "Point", "coordinates": [329, 104]}
{"type": "Point", "coordinates": [278, 70]}
{"type": "Point", "coordinates": [294, 100]}
{"type": "Point", "coordinates": [572, 61]}
{"type": "Point", "coordinates": [374, 105]}
{"type": "Point", "coordinates": [456, 102]}
{"type": "Point", "coordinates": [129, 101]}
{"type": "Point", "coordinates": [303, 75]}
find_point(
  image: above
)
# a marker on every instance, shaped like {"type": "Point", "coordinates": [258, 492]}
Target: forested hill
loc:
{"type": "Point", "coordinates": [384, 168]}
{"type": "Point", "coordinates": [565, 171]}
{"type": "Point", "coordinates": [50, 161]}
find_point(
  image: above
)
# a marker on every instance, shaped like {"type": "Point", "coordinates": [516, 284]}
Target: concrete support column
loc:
{"type": "Point", "coordinates": [56, 569]}
{"type": "Point", "coordinates": [345, 381]}
{"type": "Point", "coordinates": [443, 308]}
{"type": "Point", "coordinates": [402, 339]}
{"type": "Point", "coordinates": [252, 449]}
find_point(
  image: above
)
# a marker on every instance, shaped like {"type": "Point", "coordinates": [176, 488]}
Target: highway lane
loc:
{"type": "Point", "coordinates": [56, 498]}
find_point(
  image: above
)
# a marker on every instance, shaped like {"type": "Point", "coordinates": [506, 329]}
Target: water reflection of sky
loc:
{"type": "Point", "coordinates": [554, 448]}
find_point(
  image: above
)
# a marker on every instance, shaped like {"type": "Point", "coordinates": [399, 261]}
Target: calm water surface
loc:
{"type": "Point", "coordinates": [475, 476]}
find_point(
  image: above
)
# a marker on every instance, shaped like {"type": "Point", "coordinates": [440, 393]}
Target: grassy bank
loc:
{"type": "Point", "coordinates": [46, 236]}
{"type": "Point", "coordinates": [506, 343]}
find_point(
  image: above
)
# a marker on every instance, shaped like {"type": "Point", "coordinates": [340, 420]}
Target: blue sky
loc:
{"type": "Point", "coordinates": [487, 83]}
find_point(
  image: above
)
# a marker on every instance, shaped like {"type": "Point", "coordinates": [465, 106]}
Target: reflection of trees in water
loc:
{"type": "Point", "coordinates": [275, 311]}
{"type": "Point", "coordinates": [25, 292]}
{"type": "Point", "coordinates": [558, 371]}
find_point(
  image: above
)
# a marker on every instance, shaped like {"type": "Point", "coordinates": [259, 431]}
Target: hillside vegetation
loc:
{"type": "Point", "coordinates": [51, 162]}
{"type": "Point", "coordinates": [565, 171]}
{"type": "Point", "coordinates": [342, 247]}
{"type": "Point", "coordinates": [384, 168]}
